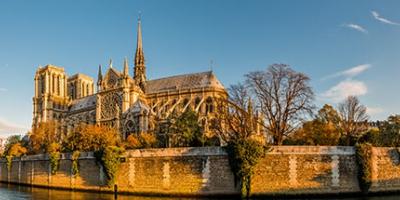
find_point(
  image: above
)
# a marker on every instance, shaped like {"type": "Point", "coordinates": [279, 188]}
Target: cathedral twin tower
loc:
{"type": "Point", "coordinates": [130, 104]}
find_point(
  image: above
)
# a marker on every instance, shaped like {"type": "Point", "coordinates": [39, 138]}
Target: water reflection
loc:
{"type": "Point", "coordinates": [14, 192]}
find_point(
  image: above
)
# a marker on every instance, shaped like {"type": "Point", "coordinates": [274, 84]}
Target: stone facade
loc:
{"type": "Point", "coordinates": [285, 170]}
{"type": "Point", "coordinates": [131, 104]}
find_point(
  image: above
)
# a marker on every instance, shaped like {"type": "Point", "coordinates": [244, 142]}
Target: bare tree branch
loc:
{"type": "Point", "coordinates": [353, 117]}
{"type": "Point", "coordinates": [284, 98]}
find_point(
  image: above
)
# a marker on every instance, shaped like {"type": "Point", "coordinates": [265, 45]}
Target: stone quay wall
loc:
{"type": "Point", "coordinates": [285, 170]}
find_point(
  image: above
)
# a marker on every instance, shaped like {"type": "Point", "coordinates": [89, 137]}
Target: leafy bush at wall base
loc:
{"type": "Point", "coordinates": [9, 162]}
{"type": "Point", "coordinates": [54, 155]}
{"type": "Point", "coordinates": [109, 158]}
{"type": "Point", "coordinates": [243, 156]}
{"type": "Point", "coordinates": [75, 162]}
{"type": "Point", "coordinates": [15, 150]}
{"type": "Point", "coordinates": [54, 161]}
{"type": "Point", "coordinates": [364, 162]}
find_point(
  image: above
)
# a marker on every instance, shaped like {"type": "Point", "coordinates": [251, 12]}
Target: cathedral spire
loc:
{"type": "Point", "coordinates": [140, 68]}
{"type": "Point", "coordinates": [139, 56]}
{"type": "Point", "coordinates": [99, 77]}
{"type": "Point", "coordinates": [111, 64]}
{"type": "Point", "coordinates": [126, 67]}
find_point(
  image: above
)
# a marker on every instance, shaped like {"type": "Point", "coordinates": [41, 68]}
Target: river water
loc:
{"type": "Point", "coordinates": [14, 192]}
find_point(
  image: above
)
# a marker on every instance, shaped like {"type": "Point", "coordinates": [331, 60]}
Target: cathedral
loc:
{"type": "Point", "coordinates": [131, 104]}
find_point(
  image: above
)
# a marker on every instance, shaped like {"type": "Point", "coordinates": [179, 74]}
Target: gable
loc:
{"type": "Point", "coordinates": [111, 78]}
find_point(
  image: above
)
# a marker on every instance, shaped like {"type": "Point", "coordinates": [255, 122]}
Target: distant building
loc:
{"type": "Point", "coordinates": [132, 104]}
{"type": "Point", "coordinates": [2, 143]}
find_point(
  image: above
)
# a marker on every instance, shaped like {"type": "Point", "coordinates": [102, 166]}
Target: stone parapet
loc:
{"type": "Point", "coordinates": [203, 171]}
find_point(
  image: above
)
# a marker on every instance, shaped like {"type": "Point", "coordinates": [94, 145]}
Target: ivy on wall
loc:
{"type": "Point", "coordinates": [364, 162]}
{"type": "Point", "coordinates": [243, 157]}
{"type": "Point", "coordinates": [54, 156]}
{"type": "Point", "coordinates": [9, 162]}
{"type": "Point", "coordinates": [75, 162]}
{"type": "Point", "coordinates": [110, 159]}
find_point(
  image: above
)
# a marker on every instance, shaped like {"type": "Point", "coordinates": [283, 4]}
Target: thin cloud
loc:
{"type": "Point", "coordinates": [374, 110]}
{"type": "Point", "coordinates": [8, 128]}
{"type": "Point", "coordinates": [383, 20]}
{"type": "Point", "coordinates": [354, 71]}
{"type": "Point", "coordinates": [349, 73]}
{"type": "Point", "coordinates": [356, 27]}
{"type": "Point", "coordinates": [3, 90]}
{"type": "Point", "coordinates": [344, 89]}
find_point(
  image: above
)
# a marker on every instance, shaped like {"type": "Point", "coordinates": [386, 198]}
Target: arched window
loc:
{"type": "Point", "coordinates": [73, 94]}
{"type": "Point", "coordinates": [209, 105]}
{"type": "Point", "coordinates": [83, 90]}
{"type": "Point", "coordinates": [58, 85]}
{"type": "Point", "coordinates": [54, 84]}
{"type": "Point", "coordinates": [136, 122]}
{"type": "Point", "coordinates": [42, 84]}
{"type": "Point", "coordinates": [185, 101]}
{"type": "Point", "coordinates": [196, 102]}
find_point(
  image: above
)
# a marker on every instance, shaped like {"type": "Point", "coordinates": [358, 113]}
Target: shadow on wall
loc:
{"type": "Point", "coordinates": [394, 155]}
{"type": "Point", "coordinates": [306, 170]}
{"type": "Point", "coordinates": [35, 170]}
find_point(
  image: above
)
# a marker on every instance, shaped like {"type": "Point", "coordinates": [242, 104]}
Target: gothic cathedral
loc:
{"type": "Point", "coordinates": [129, 104]}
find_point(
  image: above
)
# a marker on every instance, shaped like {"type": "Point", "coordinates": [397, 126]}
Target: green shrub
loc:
{"type": "Point", "coordinates": [9, 162]}
{"type": "Point", "coordinates": [75, 162]}
{"type": "Point", "coordinates": [54, 161]}
{"type": "Point", "coordinates": [364, 162]}
{"type": "Point", "coordinates": [54, 156]}
{"type": "Point", "coordinates": [14, 150]}
{"type": "Point", "coordinates": [243, 156]}
{"type": "Point", "coordinates": [109, 158]}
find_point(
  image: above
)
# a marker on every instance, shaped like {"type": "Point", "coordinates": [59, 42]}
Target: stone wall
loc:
{"type": "Point", "coordinates": [385, 169]}
{"type": "Point", "coordinates": [205, 171]}
{"type": "Point", "coordinates": [306, 170]}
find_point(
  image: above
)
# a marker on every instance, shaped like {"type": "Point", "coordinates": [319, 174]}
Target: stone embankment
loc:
{"type": "Point", "coordinates": [285, 170]}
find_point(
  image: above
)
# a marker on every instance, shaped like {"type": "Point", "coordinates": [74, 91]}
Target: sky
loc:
{"type": "Point", "coordinates": [345, 47]}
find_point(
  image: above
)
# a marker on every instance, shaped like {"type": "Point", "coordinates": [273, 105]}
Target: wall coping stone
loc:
{"type": "Point", "coordinates": [173, 152]}
{"type": "Point", "coordinates": [321, 150]}
{"type": "Point", "coordinates": [211, 151]}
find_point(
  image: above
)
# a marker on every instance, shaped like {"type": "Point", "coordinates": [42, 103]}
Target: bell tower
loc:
{"type": "Point", "coordinates": [50, 101]}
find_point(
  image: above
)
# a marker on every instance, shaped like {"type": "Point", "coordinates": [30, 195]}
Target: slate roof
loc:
{"type": "Point", "coordinates": [83, 103]}
{"type": "Point", "coordinates": [185, 81]}
{"type": "Point", "coordinates": [138, 106]}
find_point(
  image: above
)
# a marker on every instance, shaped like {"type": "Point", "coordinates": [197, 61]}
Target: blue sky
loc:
{"type": "Point", "coordinates": [346, 47]}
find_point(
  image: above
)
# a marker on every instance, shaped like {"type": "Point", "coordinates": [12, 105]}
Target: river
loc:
{"type": "Point", "coordinates": [14, 192]}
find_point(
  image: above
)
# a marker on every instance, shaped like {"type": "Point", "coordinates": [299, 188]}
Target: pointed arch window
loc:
{"type": "Point", "coordinates": [209, 105]}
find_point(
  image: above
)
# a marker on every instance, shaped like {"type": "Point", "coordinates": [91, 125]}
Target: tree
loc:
{"type": "Point", "coordinates": [323, 130]}
{"type": "Point", "coordinates": [14, 147]}
{"type": "Point", "coordinates": [186, 131]}
{"type": "Point", "coordinates": [354, 119]}
{"type": "Point", "coordinates": [142, 140]}
{"type": "Point", "coordinates": [237, 124]}
{"type": "Point", "coordinates": [284, 97]}
{"type": "Point", "coordinates": [91, 138]}
{"type": "Point", "coordinates": [43, 135]}
{"type": "Point", "coordinates": [328, 114]}
{"type": "Point", "coordinates": [11, 140]}
{"type": "Point", "coordinates": [17, 150]}
{"type": "Point", "coordinates": [237, 119]}
{"type": "Point", "coordinates": [389, 132]}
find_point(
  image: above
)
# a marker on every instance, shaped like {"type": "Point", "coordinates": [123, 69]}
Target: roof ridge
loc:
{"type": "Point", "coordinates": [85, 97]}
{"type": "Point", "coordinates": [181, 75]}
